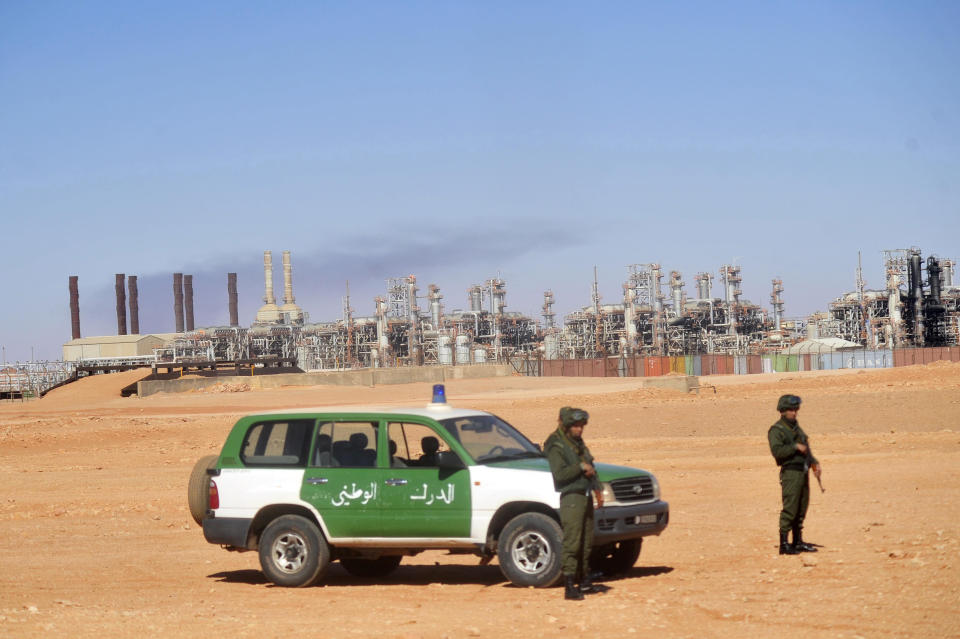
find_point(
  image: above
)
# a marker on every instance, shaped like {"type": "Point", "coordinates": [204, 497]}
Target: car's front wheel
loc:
{"type": "Point", "coordinates": [529, 550]}
{"type": "Point", "coordinates": [293, 552]}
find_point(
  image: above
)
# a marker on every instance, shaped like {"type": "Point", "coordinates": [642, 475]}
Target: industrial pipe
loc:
{"type": "Point", "coordinates": [232, 299]}
{"type": "Point", "coordinates": [178, 302]}
{"type": "Point", "coordinates": [188, 300]}
{"type": "Point", "coordinates": [74, 307]}
{"type": "Point", "coordinates": [121, 304]}
{"type": "Point", "coordinates": [134, 305]}
{"type": "Point", "coordinates": [268, 278]}
{"type": "Point", "coordinates": [287, 279]}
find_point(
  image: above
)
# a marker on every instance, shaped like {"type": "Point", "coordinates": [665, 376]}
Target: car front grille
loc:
{"type": "Point", "coordinates": [633, 489]}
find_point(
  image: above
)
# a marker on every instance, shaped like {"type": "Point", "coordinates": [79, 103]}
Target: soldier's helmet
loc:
{"type": "Point", "coordinates": [570, 416]}
{"type": "Point", "coordinates": [788, 402]}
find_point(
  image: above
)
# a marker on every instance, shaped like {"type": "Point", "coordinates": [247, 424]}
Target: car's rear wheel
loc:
{"type": "Point", "coordinates": [616, 558]}
{"type": "Point", "coordinates": [198, 488]}
{"type": "Point", "coordinates": [293, 552]}
{"type": "Point", "coordinates": [529, 550]}
{"type": "Point", "coordinates": [371, 568]}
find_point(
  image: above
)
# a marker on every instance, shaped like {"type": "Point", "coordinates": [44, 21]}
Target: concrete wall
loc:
{"type": "Point", "coordinates": [673, 382]}
{"type": "Point", "coordinates": [365, 377]}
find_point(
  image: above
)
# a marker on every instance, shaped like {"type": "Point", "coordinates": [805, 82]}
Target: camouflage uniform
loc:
{"type": "Point", "coordinates": [783, 438]}
{"type": "Point", "coordinates": [567, 456]}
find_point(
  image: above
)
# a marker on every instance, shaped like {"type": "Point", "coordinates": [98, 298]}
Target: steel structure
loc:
{"type": "Point", "coordinates": [33, 379]}
{"type": "Point", "coordinates": [648, 322]}
{"type": "Point", "coordinates": [920, 305]}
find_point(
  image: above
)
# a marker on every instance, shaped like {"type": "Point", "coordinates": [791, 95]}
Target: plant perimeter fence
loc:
{"type": "Point", "coordinates": [699, 365]}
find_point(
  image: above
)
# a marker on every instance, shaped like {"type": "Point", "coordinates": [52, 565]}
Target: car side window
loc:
{"type": "Point", "coordinates": [416, 445]}
{"type": "Point", "coordinates": [352, 444]}
{"type": "Point", "coordinates": [277, 443]}
{"type": "Point", "coordinates": [323, 448]}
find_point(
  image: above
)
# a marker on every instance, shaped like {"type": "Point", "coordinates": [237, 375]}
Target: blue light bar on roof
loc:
{"type": "Point", "coordinates": [439, 394]}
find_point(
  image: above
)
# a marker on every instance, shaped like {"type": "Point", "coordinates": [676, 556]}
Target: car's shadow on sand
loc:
{"type": "Point", "coordinates": [452, 575]}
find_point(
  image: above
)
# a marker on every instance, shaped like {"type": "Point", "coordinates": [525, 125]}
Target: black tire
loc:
{"type": "Point", "coordinates": [371, 568]}
{"type": "Point", "coordinates": [529, 550]}
{"type": "Point", "coordinates": [198, 488]}
{"type": "Point", "coordinates": [616, 558]}
{"type": "Point", "coordinates": [293, 552]}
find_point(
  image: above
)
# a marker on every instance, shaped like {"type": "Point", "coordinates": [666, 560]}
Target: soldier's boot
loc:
{"type": "Point", "coordinates": [785, 547]}
{"type": "Point", "coordinates": [798, 544]}
{"type": "Point", "coordinates": [570, 590]}
{"type": "Point", "coordinates": [587, 586]}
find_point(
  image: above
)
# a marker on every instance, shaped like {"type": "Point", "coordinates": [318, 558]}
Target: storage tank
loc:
{"type": "Point", "coordinates": [445, 350]}
{"type": "Point", "coordinates": [463, 349]}
{"type": "Point", "coordinates": [479, 356]}
{"type": "Point", "coordinates": [551, 347]}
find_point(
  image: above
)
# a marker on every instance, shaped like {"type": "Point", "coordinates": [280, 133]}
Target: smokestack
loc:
{"type": "Point", "coordinates": [232, 297]}
{"type": "Point", "coordinates": [287, 279]}
{"type": "Point", "coordinates": [268, 278]}
{"type": "Point", "coordinates": [134, 305]}
{"type": "Point", "coordinates": [188, 299]}
{"type": "Point", "coordinates": [121, 304]}
{"type": "Point", "coordinates": [74, 307]}
{"type": "Point", "coordinates": [178, 301]}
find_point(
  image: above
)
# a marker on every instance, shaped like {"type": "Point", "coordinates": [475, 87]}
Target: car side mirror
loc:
{"type": "Point", "coordinates": [449, 460]}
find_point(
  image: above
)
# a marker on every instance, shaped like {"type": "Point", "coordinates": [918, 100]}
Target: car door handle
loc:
{"type": "Point", "coordinates": [317, 480]}
{"type": "Point", "coordinates": [396, 482]}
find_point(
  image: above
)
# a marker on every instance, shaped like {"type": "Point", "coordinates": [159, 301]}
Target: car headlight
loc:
{"type": "Point", "coordinates": [656, 488]}
{"type": "Point", "coordinates": [607, 491]}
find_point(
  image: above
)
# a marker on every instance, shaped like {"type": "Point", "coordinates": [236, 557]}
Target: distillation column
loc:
{"type": "Point", "coordinates": [893, 332]}
{"type": "Point", "coordinates": [703, 281]}
{"type": "Point", "coordinates": [436, 313]}
{"type": "Point", "coordinates": [379, 355]}
{"type": "Point", "coordinates": [476, 299]}
{"type": "Point", "coordinates": [498, 294]}
{"type": "Point", "coordinates": [947, 275]}
{"type": "Point", "coordinates": [413, 336]}
{"type": "Point", "coordinates": [629, 313]}
{"type": "Point", "coordinates": [776, 300]}
{"type": "Point", "coordinates": [916, 296]}
{"type": "Point", "coordinates": [548, 314]}
{"type": "Point", "coordinates": [731, 280]}
{"type": "Point", "coordinates": [676, 290]}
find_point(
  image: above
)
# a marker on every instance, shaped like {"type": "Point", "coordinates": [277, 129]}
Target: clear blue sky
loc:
{"type": "Point", "coordinates": [459, 141]}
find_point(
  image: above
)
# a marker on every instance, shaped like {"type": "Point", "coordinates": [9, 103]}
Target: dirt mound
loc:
{"type": "Point", "coordinates": [94, 389]}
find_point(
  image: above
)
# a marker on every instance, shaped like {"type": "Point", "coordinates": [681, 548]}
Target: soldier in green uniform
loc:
{"type": "Point", "coordinates": [791, 450]}
{"type": "Point", "coordinates": [575, 479]}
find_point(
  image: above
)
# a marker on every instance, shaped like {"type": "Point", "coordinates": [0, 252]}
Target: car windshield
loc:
{"type": "Point", "coordinates": [489, 439]}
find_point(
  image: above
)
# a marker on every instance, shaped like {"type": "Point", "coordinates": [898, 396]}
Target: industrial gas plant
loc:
{"type": "Point", "coordinates": [919, 306]}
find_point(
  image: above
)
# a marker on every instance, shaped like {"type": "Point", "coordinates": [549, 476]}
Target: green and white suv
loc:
{"type": "Point", "coordinates": [367, 486]}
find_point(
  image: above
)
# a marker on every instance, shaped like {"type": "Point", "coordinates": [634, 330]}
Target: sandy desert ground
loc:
{"type": "Point", "coordinates": [96, 539]}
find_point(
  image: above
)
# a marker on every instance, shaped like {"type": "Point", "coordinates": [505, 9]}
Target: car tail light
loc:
{"type": "Point", "coordinates": [214, 501]}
